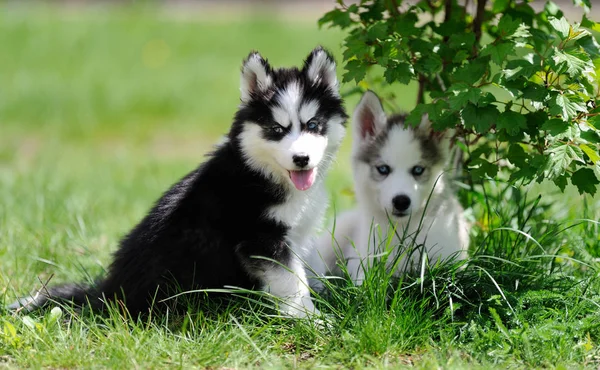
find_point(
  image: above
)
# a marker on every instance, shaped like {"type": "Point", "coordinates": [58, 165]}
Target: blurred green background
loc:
{"type": "Point", "coordinates": [104, 105]}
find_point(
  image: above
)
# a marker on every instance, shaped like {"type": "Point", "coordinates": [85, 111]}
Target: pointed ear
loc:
{"type": "Point", "coordinates": [256, 76]}
{"type": "Point", "coordinates": [320, 68]}
{"type": "Point", "coordinates": [426, 128]}
{"type": "Point", "coordinates": [369, 116]}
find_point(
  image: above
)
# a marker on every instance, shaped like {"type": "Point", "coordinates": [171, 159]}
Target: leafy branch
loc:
{"type": "Point", "coordinates": [519, 86]}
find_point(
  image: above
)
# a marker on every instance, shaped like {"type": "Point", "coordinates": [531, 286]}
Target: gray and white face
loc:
{"type": "Point", "coordinates": [292, 120]}
{"type": "Point", "coordinates": [396, 166]}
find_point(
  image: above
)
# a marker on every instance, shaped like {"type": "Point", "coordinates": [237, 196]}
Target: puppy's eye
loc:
{"type": "Point", "coordinates": [312, 124]}
{"type": "Point", "coordinates": [277, 129]}
{"type": "Point", "coordinates": [383, 169]}
{"type": "Point", "coordinates": [417, 170]}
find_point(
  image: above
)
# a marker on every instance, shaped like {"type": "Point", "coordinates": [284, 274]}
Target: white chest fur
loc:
{"type": "Point", "coordinates": [303, 213]}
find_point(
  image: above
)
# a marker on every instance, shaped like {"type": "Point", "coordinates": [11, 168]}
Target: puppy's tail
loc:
{"type": "Point", "coordinates": [75, 294]}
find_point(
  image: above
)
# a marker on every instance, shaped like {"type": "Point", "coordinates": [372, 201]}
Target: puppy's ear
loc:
{"type": "Point", "coordinates": [426, 128]}
{"type": "Point", "coordinates": [369, 117]}
{"type": "Point", "coordinates": [319, 67]}
{"type": "Point", "coordinates": [256, 76]}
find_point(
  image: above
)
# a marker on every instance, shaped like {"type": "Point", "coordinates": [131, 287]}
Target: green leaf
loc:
{"type": "Point", "coordinates": [587, 23]}
{"type": "Point", "coordinates": [561, 156]}
{"type": "Point", "coordinates": [480, 118]}
{"type": "Point", "coordinates": [421, 46]}
{"type": "Point", "coordinates": [535, 92]}
{"type": "Point", "coordinates": [585, 4]}
{"type": "Point", "coordinates": [517, 156]}
{"type": "Point", "coordinates": [572, 133]}
{"type": "Point", "coordinates": [590, 45]}
{"type": "Point", "coordinates": [415, 116]}
{"type": "Point", "coordinates": [430, 63]}
{"type": "Point", "coordinates": [561, 25]}
{"type": "Point", "coordinates": [575, 60]}
{"type": "Point", "coordinates": [355, 70]}
{"type": "Point", "coordinates": [462, 41]}
{"type": "Point", "coordinates": [553, 9]}
{"type": "Point", "coordinates": [526, 174]}
{"type": "Point", "coordinates": [585, 180]}
{"type": "Point", "coordinates": [460, 98]}
{"type": "Point", "coordinates": [520, 67]}
{"type": "Point", "coordinates": [522, 32]}
{"type": "Point", "coordinates": [405, 25]}
{"type": "Point", "coordinates": [378, 31]}
{"type": "Point", "coordinates": [451, 27]}
{"type": "Point", "coordinates": [507, 25]}
{"type": "Point", "coordinates": [512, 122]}
{"type": "Point", "coordinates": [500, 5]}
{"type": "Point", "coordinates": [434, 110]}
{"type": "Point", "coordinates": [563, 105]}
{"type": "Point", "coordinates": [402, 73]}
{"type": "Point", "coordinates": [576, 32]}
{"type": "Point", "coordinates": [499, 52]}
{"type": "Point", "coordinates": [460, 56]}
{"type": "Point", "coordinates": [590, 136]}
{"type": "Point", "coordinates": [446, 120]}
{"type": "Point", "coordinates": [336, 17]}
{"type": "Point", "coordinates": [374, 12]}
{"type": "Point", "coordinates": [471, 72]}
{"type": "Point", "coordinates": [540, 162]}
{"type": "Point", "coordinates": [355, 46]}
{"type": "Point", "coordinates": [560, 182]}
{"type": "Point", "coordinates": [594, 121]}
{"type": "Point", "coordinates": [481, 168]}
{"type": "Point", "coordinates": [555, 126]}
{"type": "Point", "coordinates": [487, 99]}
{"type": "Point", "coordinates": [386, 52]}
{"type": "Point", "coordinates": [591, 153]}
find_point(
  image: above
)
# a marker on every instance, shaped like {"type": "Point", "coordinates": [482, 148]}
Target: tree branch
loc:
{"type": "Point", "coordinates": [477, 22]}
{"type": "Point", "coordinates": [447, 15]}
{"type": "Point", "coordinates": [421, 93]}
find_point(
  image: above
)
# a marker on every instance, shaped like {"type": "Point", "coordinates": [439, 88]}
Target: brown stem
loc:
{"type": "Point", "coordinates": [447, 10]}
{"type": "Point", "coordinates": [447, 15]}
{"type": "Point", "coordinates": [478, 21]}
{"type": "Point", "coordinates": [421, 93]}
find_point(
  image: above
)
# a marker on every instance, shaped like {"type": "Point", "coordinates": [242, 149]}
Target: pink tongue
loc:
{"type": "Point", "coordinates": [303, 179]}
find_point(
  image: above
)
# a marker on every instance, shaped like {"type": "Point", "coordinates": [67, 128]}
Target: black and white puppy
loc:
{"type": "Point", "coordinates": [247, 216]}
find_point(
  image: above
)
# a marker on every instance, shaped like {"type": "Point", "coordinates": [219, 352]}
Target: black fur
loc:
{"type": "Point", "coordinates": [260, 108]}
{"type": "Point", "coordinates": [204, 231]}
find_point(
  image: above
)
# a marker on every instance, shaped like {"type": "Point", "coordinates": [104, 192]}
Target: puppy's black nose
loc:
{"type": "Point", "coordinates": [301, 160]}
{"type": "Point", "coordinates": [401, 203]}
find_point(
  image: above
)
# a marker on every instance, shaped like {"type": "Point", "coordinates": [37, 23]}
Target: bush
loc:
{"type": "Point", "coordinates": [519, 86]}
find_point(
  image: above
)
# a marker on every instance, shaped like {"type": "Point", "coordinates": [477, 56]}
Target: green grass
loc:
{"type": "Point", "coordinates": [101, 109]}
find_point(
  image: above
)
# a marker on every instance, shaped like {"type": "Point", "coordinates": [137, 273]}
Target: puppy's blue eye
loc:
{"type": "Point", "coordinates": [277, 129]}
{"type": "Point", "coordinates": [417, 170]}
{"type": "Point", "coordinates": [383, 169]}
{"type": "Point", "coordinates": [312, 125]}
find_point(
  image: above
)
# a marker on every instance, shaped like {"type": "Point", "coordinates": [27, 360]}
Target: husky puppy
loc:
{"type": "Point", "coordinates": [404, 200]}
{"type": "Point", "coordinates": [246, 216]}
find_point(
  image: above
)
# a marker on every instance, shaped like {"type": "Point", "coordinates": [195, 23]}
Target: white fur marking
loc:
{"type": "Point", "coordinates": [292, 287]}
{"type": "Point", "coordinates": [308, 110]}
{"type": "Point", "coordinates": [281, 116]}
{"type": "Point", "coordinates": [290, 97]}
